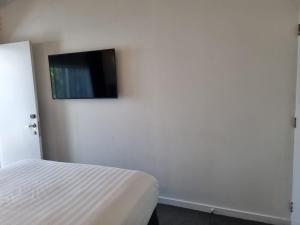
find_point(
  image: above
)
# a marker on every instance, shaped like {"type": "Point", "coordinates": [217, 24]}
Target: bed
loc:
{"type": "Point", "coordinates": [38, 192]}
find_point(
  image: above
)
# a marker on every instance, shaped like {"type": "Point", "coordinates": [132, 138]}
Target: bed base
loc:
{"type": "Point", "coordinates": [154, 218]}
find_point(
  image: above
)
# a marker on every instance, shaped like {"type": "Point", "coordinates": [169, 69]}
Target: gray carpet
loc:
{"type": "Point", "coordinates": [170, 215]}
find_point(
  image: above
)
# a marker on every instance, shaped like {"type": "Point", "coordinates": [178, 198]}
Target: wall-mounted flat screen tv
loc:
{"type": "Point", "coordinates": [84, 75]}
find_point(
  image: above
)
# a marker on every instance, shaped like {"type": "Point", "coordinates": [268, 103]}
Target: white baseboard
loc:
{"type": "Point", "coordinates": [225, 211]}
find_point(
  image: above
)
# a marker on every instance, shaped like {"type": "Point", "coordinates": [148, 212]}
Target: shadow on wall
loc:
{"type": "Point", "coordinates": [53, 114]}
{"type": "Point", "coordinates": [23, 8]}
{"type": "Point", "coordinates": [58, 117]}
{"type": "Point", "coordinates": [1, 30]}
{"type": "Point", "coordinates": [5, 2]}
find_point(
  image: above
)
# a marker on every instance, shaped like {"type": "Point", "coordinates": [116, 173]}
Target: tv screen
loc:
{"type": "Point", "coordinates": [84, 75]}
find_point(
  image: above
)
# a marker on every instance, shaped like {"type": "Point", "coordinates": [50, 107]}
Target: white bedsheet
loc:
{"type": "Point", "coordinates": [36, 192]}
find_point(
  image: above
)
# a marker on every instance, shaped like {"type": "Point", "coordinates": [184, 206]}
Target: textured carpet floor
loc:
{"type": "Point", "coordinates": [170, 215]}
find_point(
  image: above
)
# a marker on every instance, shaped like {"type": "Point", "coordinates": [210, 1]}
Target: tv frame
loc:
{"type": "Point", "coordinates": [85, 98]}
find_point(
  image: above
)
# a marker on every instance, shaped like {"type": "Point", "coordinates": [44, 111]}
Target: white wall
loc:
{"type": "Point", "coordinates": [206, 92]}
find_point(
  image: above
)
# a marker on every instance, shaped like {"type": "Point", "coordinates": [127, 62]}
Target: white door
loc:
{"type": "Point", "coordinates": [296, 173]}
{"type": "Point", "coordinates": [19, 120]}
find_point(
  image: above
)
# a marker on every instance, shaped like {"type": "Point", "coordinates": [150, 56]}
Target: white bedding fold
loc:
{"type": "Point", "coordinates": [36, 192]}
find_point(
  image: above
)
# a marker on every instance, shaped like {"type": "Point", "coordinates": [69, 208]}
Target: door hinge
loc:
{"type": "Point", "coordinates": [291, 207]}
{"type": "Point", "coordinates": [295, 122]}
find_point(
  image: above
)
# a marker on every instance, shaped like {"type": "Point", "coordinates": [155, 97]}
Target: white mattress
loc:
{"type": "Point", "coordinates": [36, 192]}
